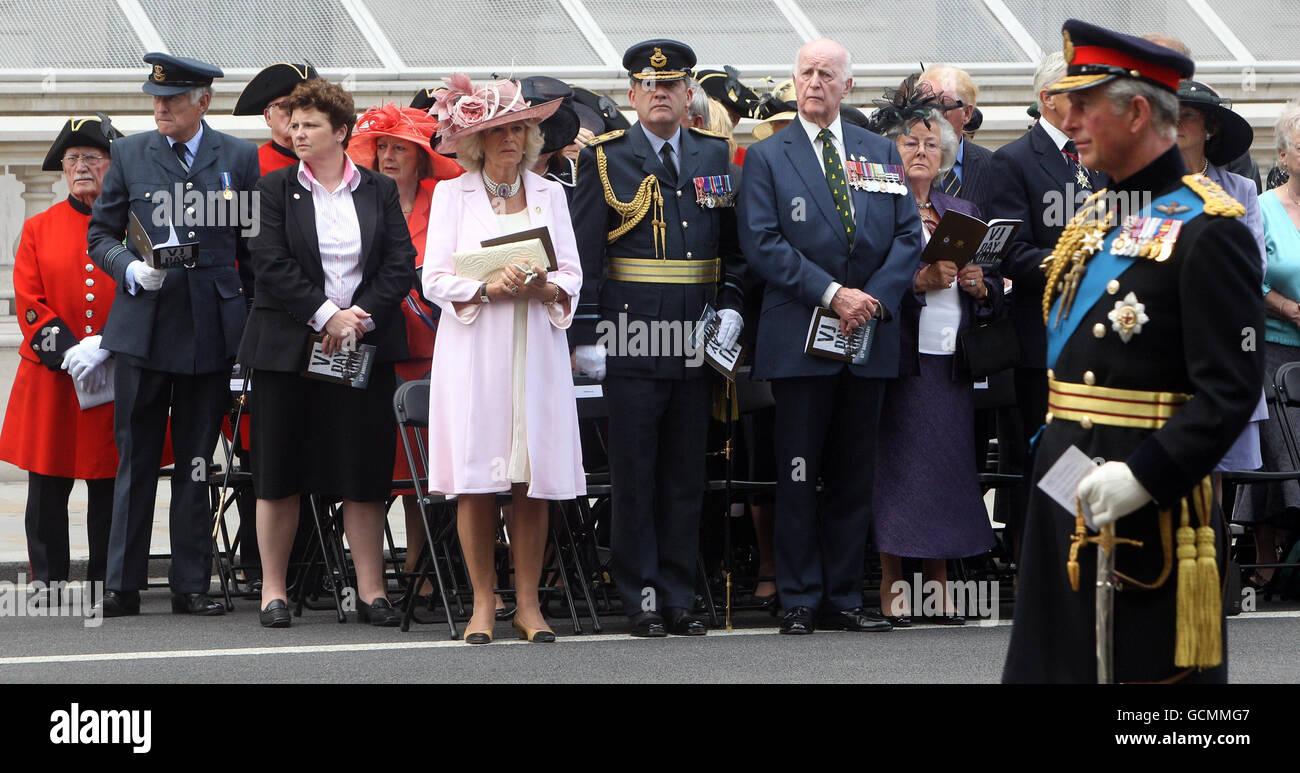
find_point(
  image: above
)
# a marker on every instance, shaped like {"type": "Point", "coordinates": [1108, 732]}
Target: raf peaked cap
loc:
{"type": "Point", "coordinates": [270, 84]}
{"type": "Point", "coordinates": [1095, 55]}
{"type": "Point", "coordinates": [96, 132]}
{"type": "Point", "coordinates": [659, 60]}
{"type": "Point", "coordinates": [177, 74]}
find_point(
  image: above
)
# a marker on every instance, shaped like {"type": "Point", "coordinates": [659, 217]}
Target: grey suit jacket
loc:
{"type": "Point", "coordinates": [191, 324]}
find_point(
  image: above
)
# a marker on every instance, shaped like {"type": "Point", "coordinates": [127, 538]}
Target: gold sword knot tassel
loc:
{"type": "Point", "coordinates": [1105, 540]}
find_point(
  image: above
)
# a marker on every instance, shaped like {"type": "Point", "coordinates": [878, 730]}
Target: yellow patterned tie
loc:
{"type": "Point", "coordinates": [835, 179]}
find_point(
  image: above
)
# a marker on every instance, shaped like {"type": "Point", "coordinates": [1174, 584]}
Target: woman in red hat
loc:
{"type": "Point", "coordinates": [395, 141]}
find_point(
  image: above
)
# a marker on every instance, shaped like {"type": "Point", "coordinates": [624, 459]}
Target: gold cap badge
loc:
{"type": "Point", "coordinates": [657, 59]}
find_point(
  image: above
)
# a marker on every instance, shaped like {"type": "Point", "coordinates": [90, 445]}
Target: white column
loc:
{"type": "Point", "coordinates": [38, 188]}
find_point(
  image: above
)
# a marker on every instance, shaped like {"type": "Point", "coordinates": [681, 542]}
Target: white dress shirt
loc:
{"type": "Point", "coordinates": [338, 233]}
{"type": "Point", "coordinates": [1058, 136]}
{"type": "Point", "coordinates": [837, 139]}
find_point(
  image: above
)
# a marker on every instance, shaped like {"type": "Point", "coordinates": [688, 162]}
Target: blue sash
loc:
{"type": "Point", "coordinates": [1103, 267]}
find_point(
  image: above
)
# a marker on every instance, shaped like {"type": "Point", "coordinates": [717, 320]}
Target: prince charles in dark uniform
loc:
{"type": "Point", "coordinates": [1152, 307]}
{"type": "Point", "coordinates": [174, 330]}
{"type": "Point", "coordinates": [653, 217]}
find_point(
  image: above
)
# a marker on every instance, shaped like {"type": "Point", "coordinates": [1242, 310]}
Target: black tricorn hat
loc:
{"type": "Point", "coordinates": [95, 131]}
{"type": "Point", "coordinates": [270, 84]}
{"type": "Point", "coordinates": [1233, 136]}
{"type": "Point", "coordinates": [562, 127]}
{"type": "Point", "coordinates": [423, 99]}
{"type": "Point", "coordinates": [603, 106]}
{"type": "Point", "coordinates": [724, 85]}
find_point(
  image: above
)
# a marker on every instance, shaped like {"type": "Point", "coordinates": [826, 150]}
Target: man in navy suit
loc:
{"type": "Point", "coordinates": [816, 242]}
{"type": "Point", "coordinates": [174, 330]}
{"type": "Point", "coordinates": [970, 179]}
{"type": "Point", "coordinates": [1040, 181]}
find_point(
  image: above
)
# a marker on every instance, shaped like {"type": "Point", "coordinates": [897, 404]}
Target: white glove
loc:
{"type": "Point", "coordinates": [591, 360]}
{"type": "Point", "coordinates": [82, 360]}
{"type": "Point", "coordinates": [146, 277]}
{"type": "Point", "coordinates": [1111, 492]}
{"type": "Point", "coordinates": [730, 324]}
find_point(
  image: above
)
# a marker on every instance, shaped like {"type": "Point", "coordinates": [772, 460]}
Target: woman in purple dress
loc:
{"type": "Point", "coordinates": [927, 500]}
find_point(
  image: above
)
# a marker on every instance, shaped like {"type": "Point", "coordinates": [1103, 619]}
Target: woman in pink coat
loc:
{"type": "Point", "coordinates": [502, 415]}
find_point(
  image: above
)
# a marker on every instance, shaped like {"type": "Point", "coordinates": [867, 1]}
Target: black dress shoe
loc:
{"type": "Point", "coordinates": [118, 603]}
{"type": "Point", "coordinates": [682, 623]}
{"type": "Point", "coordinates": [275, 615]}
{"type": "Point", "coordinates": [798, 621]}
{"type": "Point", "coordinates": [947, 620]}
{"type": "Point", "coordinates": [856, 619]}
{"type": "Point", "coordinates": [898, 621]}
{"type": "Point", "coordinates": [379, 612]}
{"type": "Point", "coordinates": [648, 625]}
{"type": "Point", "coordinates": [766, 604]}
{"type": "Point", "coordinates": [196, 604]}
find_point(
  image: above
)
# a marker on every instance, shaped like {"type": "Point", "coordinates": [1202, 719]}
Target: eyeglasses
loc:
{"type": "Point", "coordinates": [72, 159]}
{"type": "Point", "coordinates": [930, 146]}
{"type": "Point", "coordinates": [277, 106]}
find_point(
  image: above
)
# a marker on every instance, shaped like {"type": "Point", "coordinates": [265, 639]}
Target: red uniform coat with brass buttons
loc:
{"type": "Point", "coordinates": [61, 297]}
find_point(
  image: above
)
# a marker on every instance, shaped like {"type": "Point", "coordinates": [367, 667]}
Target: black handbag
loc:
{"type": "Point", "coordinates": [990, 348]}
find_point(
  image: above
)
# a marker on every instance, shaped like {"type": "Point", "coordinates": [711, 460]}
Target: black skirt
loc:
{"type": "Point", "coordinates": [314, 437]}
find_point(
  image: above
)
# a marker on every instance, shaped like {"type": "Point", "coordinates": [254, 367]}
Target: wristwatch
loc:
{"type": "Point", "coordinates": [482, 293]}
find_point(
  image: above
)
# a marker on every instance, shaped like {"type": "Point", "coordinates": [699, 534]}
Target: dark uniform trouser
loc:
{"type": "Point", "coordinates": [1014, 456]}
{"type": "Point", "coordinates": [658, 430]}
{"type": "Point", "coordinates": [47, 526]}
{"type": "Point", "coordinates": [197, 403]}
{"type": "Point", "coordinates": [826, 428]}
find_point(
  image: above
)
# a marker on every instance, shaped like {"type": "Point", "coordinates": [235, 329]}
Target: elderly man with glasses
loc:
{"type": "Point", "coordinates": [62, 300]}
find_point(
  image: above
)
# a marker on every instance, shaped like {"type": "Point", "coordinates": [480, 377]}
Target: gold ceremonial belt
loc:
{"type": "Point", "coordinates": [1091, 405]}
{"type": "Point", "coordinates": [655, 271]}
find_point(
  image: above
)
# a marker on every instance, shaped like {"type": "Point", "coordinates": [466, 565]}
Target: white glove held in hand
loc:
{"type": "Point", "coordinates": [82, 360]}
{"type": "Point", "coordinates": [730, 323]}
{"type": "Point", "coordinates": [145, 276]}
{"type": "Point", "coordinates": [591, 360]}
{"type": "Point", "coordinates": [1111, 492]}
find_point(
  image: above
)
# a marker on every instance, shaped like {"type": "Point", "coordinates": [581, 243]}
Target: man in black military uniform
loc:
{"type": "Point", "coordinates": [1152, 307]}
{"type": "Point", "coordinates": [174, 330]}
{"type": "Point", "coordinates": [655, 226]}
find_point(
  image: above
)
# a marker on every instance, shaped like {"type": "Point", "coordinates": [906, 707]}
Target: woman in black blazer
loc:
{"type": "Point", "coordinates": [332, 256]}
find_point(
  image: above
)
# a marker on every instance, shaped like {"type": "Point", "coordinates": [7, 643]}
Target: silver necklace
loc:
{"type": "Point", "coordinates": [501, 190]}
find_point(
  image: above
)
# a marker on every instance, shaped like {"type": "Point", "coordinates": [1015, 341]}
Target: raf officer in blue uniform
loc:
{"type": "Point", "coordinates": [653, 213]}
{"type": "Point", "coordinates": [1152, 304]}
{"type": "Point", "coordinates": [175, 331]}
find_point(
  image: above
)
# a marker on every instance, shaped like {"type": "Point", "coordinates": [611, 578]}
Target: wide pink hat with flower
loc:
{"type": "Point", "coordinates": [403, 123]}
{"type": "Point", "coordinates": [462, 108]}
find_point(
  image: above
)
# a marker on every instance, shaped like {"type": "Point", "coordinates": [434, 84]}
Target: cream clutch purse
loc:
{"type": "Point", "coordinates": [486, 264]}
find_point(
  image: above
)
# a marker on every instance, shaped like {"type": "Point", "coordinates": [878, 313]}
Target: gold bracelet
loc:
{"type": "Point", "coordinates": [557, 296]}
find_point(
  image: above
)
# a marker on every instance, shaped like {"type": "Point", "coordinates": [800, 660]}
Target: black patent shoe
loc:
{"type": "Point", "coordinates": [680, 622]}
{"type": "Point", "coordinates": [648, 625]}
{"type": "Point", "coordinates": [118, 603]}
{"type": "Point", "coordinates": [200, 604]}
{"type": "Point", "coordinates": [856, 619]}
{"type": "Point", "coordinates": [379, 613]}
{"type": "Point", "coordinates": [275, 615]}
{"type": "Point", "coordinates": [798, 621]}
{"type": "Point", "coordinates": [898, 621]}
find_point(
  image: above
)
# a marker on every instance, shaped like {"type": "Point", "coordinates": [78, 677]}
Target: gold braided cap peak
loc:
{"type": "Point", "coordinates": [1217, 201]}
{"type": "Point", "coordinates": [1054, 265]}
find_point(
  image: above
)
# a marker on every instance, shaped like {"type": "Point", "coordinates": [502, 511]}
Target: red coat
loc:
{"type": "Point", "coordinates": [419, 338]}
{"type": "Point", "coordinates": [271, 157]}
{"type": "Point", "coordinates": [61, 297]}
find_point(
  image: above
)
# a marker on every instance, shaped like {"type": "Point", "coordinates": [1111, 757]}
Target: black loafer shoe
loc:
{"type": "Point", "coordinates": [856, 619]}
{"type": "Point", "coordinates": [798, 621]}
{"type": "Point", "coordinates": [648, 625]}
{"type": "Point", "coordinates": [276, 615]}
{"type": "Point", "coordinates": [682, 623]}
{"type": "Point", "coordinates": [947, 620]}
{"type": "Point", "coordinates": [196, 604]}
{"type": "Point", "coordinates": [379, 612]}
{"type": "Point", "coordinates": [118, 603]}
{"type": "Point", "coordinates": [900, 621]}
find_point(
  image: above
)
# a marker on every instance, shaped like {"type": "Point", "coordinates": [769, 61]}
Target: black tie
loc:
{"type": "Point", "coordinates": [1081, 175]}
{"type": "Point", "coordinates": [666, 155]}
{"type": "Point", "coordinates": [180, 150]}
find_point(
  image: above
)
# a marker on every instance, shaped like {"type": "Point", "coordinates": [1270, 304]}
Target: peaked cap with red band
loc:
{"type": "Point", "coordinates": [1095, 55]}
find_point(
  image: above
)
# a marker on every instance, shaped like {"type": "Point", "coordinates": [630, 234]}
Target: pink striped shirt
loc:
{"type": "Point", "coordinates": [339, 235]}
